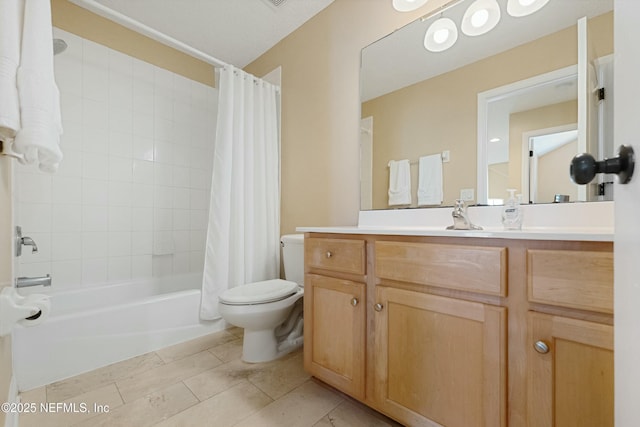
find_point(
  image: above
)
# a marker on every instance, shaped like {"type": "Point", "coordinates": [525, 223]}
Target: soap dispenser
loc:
{"type": "Point", "coordinates": [512, 212]}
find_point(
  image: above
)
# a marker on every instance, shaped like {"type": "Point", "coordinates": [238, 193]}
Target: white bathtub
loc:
{"type": "Point", "coordinates": [91, 328]}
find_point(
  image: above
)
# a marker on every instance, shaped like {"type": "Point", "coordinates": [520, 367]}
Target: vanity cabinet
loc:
{"type": "Point", "coordinates": [334, 307]}
{"type": "Point", "coordinates": [570, 360]}
{"type": "Point", "coordinates": [460, 331]}
{"type": "Point", "coordinates": [439, 360]}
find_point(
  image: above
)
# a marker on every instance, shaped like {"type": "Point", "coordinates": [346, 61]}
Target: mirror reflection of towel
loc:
{"type": "Point", "coordinates": [430, 180]}
{"type": "Point", "coordinates": [399, 182]}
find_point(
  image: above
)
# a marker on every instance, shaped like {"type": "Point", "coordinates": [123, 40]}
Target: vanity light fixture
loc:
{"type": "Point", "coordinates": [518, 8]}
{"type": "Point", "coordinates": [441, 35]}
{"type": "Point", "coordinates": [408, 5]}
{"type": "Point", "coordinates": [481, 17]}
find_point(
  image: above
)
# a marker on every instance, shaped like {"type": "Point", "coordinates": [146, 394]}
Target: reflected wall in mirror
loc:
{"type": "Point", "coordinates": [418, 103]}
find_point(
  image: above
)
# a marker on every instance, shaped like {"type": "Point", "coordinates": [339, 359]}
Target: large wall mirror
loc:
{"type": "Point", "coordinates": [505, 109]}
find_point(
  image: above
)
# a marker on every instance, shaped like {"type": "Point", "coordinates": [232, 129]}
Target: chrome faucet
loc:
{"type": "Point", "coordinates": [24, 241]}
{"type": "Point", "coordinates": [461, 219]}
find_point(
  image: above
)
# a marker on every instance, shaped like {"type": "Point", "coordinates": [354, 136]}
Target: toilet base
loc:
{"type": "Point", "coordinates": [263, 346]}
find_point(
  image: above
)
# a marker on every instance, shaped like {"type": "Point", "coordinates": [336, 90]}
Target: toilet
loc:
{"type": "Point", "coordinates": [270, 311]}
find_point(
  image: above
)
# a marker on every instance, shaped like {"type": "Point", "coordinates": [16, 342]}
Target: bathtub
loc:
{"type": "Point", "coordinates": [91, 328]}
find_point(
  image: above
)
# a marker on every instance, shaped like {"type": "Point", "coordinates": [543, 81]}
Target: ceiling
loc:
{"type": "Point", "coordinates": [234, 31]}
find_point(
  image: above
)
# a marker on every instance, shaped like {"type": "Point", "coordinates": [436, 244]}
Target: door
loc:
{"type": "Point", "coordinates": [439, 361]}
{"type": "Point", "coordinates": [334, 332]}
{"type": "Point", "coordinates": [627, 207]}
{"type": "Point", "coordinates": [570, 372]}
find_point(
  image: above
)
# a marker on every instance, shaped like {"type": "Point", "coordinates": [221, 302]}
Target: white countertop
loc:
{"type": "Point", "coordinates": [603, 234]}
{"type": "Point", "coordinates": [567, 221]}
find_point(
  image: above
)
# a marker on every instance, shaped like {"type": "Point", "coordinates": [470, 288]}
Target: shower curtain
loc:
{"type": "Point", "coordinates": [243, 234]}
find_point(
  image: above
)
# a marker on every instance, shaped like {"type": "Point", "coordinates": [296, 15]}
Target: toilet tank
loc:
{"type": "Point", "coordinates": [293, 257]}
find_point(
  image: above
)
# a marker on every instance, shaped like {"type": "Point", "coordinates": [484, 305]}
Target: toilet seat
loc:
{"type": "Point", "coordinates": [259, 292]}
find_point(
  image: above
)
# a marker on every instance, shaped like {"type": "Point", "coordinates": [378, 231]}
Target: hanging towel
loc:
{"type": "Point", "coordinates": [430, 180]}
{"type": "Point", "coordinates": [399, 182]}
{"type": "Point", "coordinates": [11, 12]}
{"type": "Point", "coordinates": [39, 136]}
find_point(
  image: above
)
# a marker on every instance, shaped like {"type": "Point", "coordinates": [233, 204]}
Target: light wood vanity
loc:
{"type": "Point", "coordinates": [463, 331]}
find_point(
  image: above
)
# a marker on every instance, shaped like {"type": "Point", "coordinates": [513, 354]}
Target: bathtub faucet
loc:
{"type": "Point", "coordinates": [24, 241]}
{"type": "Point", "coordinates": [25, 282]}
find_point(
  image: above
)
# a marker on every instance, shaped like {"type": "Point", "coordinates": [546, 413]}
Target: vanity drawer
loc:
{"type": "Point", "coordinates": [574, 279]}
{"type": "Point", "coordinates": [342, 255]}
{"type": "Point", "coordinates": [467, 268]}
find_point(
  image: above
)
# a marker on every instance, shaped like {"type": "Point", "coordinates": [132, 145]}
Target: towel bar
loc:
{"type": "Point", "coordinates": [9, 154]}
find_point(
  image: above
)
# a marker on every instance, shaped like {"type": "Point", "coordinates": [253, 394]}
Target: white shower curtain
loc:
{"type": "Point", "coordinates": [243, 234]}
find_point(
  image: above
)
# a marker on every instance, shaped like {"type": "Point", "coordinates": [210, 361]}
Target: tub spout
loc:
{"type": "Point", "coordinates": [25, 282]}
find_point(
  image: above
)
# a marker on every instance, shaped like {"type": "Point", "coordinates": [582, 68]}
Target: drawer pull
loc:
{"type": "Point", "coordinates": [378, 307]}
{"type": "Point", "coordinates": [329, 254]}
{"type": "Point", "coordinates": [354, 301]}
{"type": "Point", "coordinates": [541, 347]}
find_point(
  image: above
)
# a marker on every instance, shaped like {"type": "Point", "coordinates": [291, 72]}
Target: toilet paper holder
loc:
{"type": "Point", "coordinates": [27, 311]}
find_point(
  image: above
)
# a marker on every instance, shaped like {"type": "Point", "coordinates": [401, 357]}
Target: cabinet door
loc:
{"type": "Point", "coordinates": [334, 332]}
{"type": "Point", "coordinates": [570, 372]}
{"type": "Point", "coordinates": [439, 361]}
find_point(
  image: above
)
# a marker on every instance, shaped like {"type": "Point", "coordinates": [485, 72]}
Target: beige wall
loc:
{"type": "Point", "coordinates": [441, 113]}
{"type": "Point", "coordinates": [547, 117]}
{"type": "Point", "coordinates": [549, 183]}
{"type": "Point", "coordinates": [74, 19]}
{"type": "Point", "coordinates": [321, 108]}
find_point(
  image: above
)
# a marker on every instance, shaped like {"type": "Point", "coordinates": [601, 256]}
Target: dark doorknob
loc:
{"type": "Point", "coordinates": [584, 167]}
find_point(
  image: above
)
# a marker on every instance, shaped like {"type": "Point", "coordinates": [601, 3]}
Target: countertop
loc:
{"type": "Point", "coordinates": [603, 234]}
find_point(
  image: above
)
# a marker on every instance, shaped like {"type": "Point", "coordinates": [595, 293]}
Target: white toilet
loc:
{"type": "Point", "coordinates": [270, 311]}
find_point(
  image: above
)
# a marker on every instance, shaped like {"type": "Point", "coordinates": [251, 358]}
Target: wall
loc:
{"type": "Point", "coordinates": [551, 116]}
{"type": "Point", "coordinates": [441, 113]}
{"type": "Point", "coordinates": [131, 197]}
{"type": "Point", "coordinates": [74, 19]}
{"type": "Point", "coordinates": [6, 240]}
{"type": "Point", "coordinates": [320, 108]}
{"type": "Point", "coordinates": [548, 183]}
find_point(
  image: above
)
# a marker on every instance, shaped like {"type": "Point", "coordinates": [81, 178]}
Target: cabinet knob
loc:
{"type": "Point", "coordinates": [329, 254]}
{"type": "Point", "coordinates": [541, 347]}
{"type": "Point", "coordinates": [354, 301]}
{"type": "Point", "coordinates": [378, 307]}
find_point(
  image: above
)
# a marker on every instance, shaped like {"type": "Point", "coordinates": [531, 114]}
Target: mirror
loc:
{"type": "Point", "coordinates": [484, 102]}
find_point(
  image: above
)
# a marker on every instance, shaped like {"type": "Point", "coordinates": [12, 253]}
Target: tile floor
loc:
{"type": "Point", "coordinates": [199, 383]}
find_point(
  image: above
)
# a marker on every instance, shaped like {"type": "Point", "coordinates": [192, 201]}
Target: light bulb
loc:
{"type": "Point", "coordinates": [441, 35]}
{"type": "Point", "coordinates": [524, 3]}
{"type": "Point", "coordinates": [479, 18]}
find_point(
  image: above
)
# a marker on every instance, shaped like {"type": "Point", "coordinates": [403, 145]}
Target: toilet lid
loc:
{"type": "Point", "coordinates": [259, 292]}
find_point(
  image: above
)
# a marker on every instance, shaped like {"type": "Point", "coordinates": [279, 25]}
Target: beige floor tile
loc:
{"type": "Point", "coordinates": [302, 407]}
{"type": "Point", "coordinates": [221, 378]}
{"type": "Point", "coordinates": [82, 383]}
{"type": "Point", "coordinates": [160, 377]}
{"type": "Point", "coordinates": [238, 332]}
{"type": "Point", "coordinates": [278, 379]}
{"type": "Point", "coordinates": [229, 351]}
{"type": "Point", "coordinates": [36, 395]}
{"type": "Point", "coordinates": [222, 410]}
{"type": "Point", "coordinates": [178, 351]}
{"type": "Point", "coordinates": [351, 414]}
{"type": "Point", "coordinates": [147, 410]}
{"type": "Point", "coordinates": [74, 410]}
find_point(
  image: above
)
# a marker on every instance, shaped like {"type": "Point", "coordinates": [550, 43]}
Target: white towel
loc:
{"type": "Point", "coordinates": [430, 180]}
{"type": "Point", "coordinates": [399, 182]}
{"type": "Point", "coordinates": [11, 12]}
{"type": "Point", "coordinates": [39, 136]}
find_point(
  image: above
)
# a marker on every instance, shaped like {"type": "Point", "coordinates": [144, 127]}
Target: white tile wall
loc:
{"type": "Point", "coordinates": [131, 197]}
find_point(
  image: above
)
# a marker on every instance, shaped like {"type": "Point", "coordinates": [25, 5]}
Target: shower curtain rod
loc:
{"type": "Point", "coordinates": [139, 27]}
